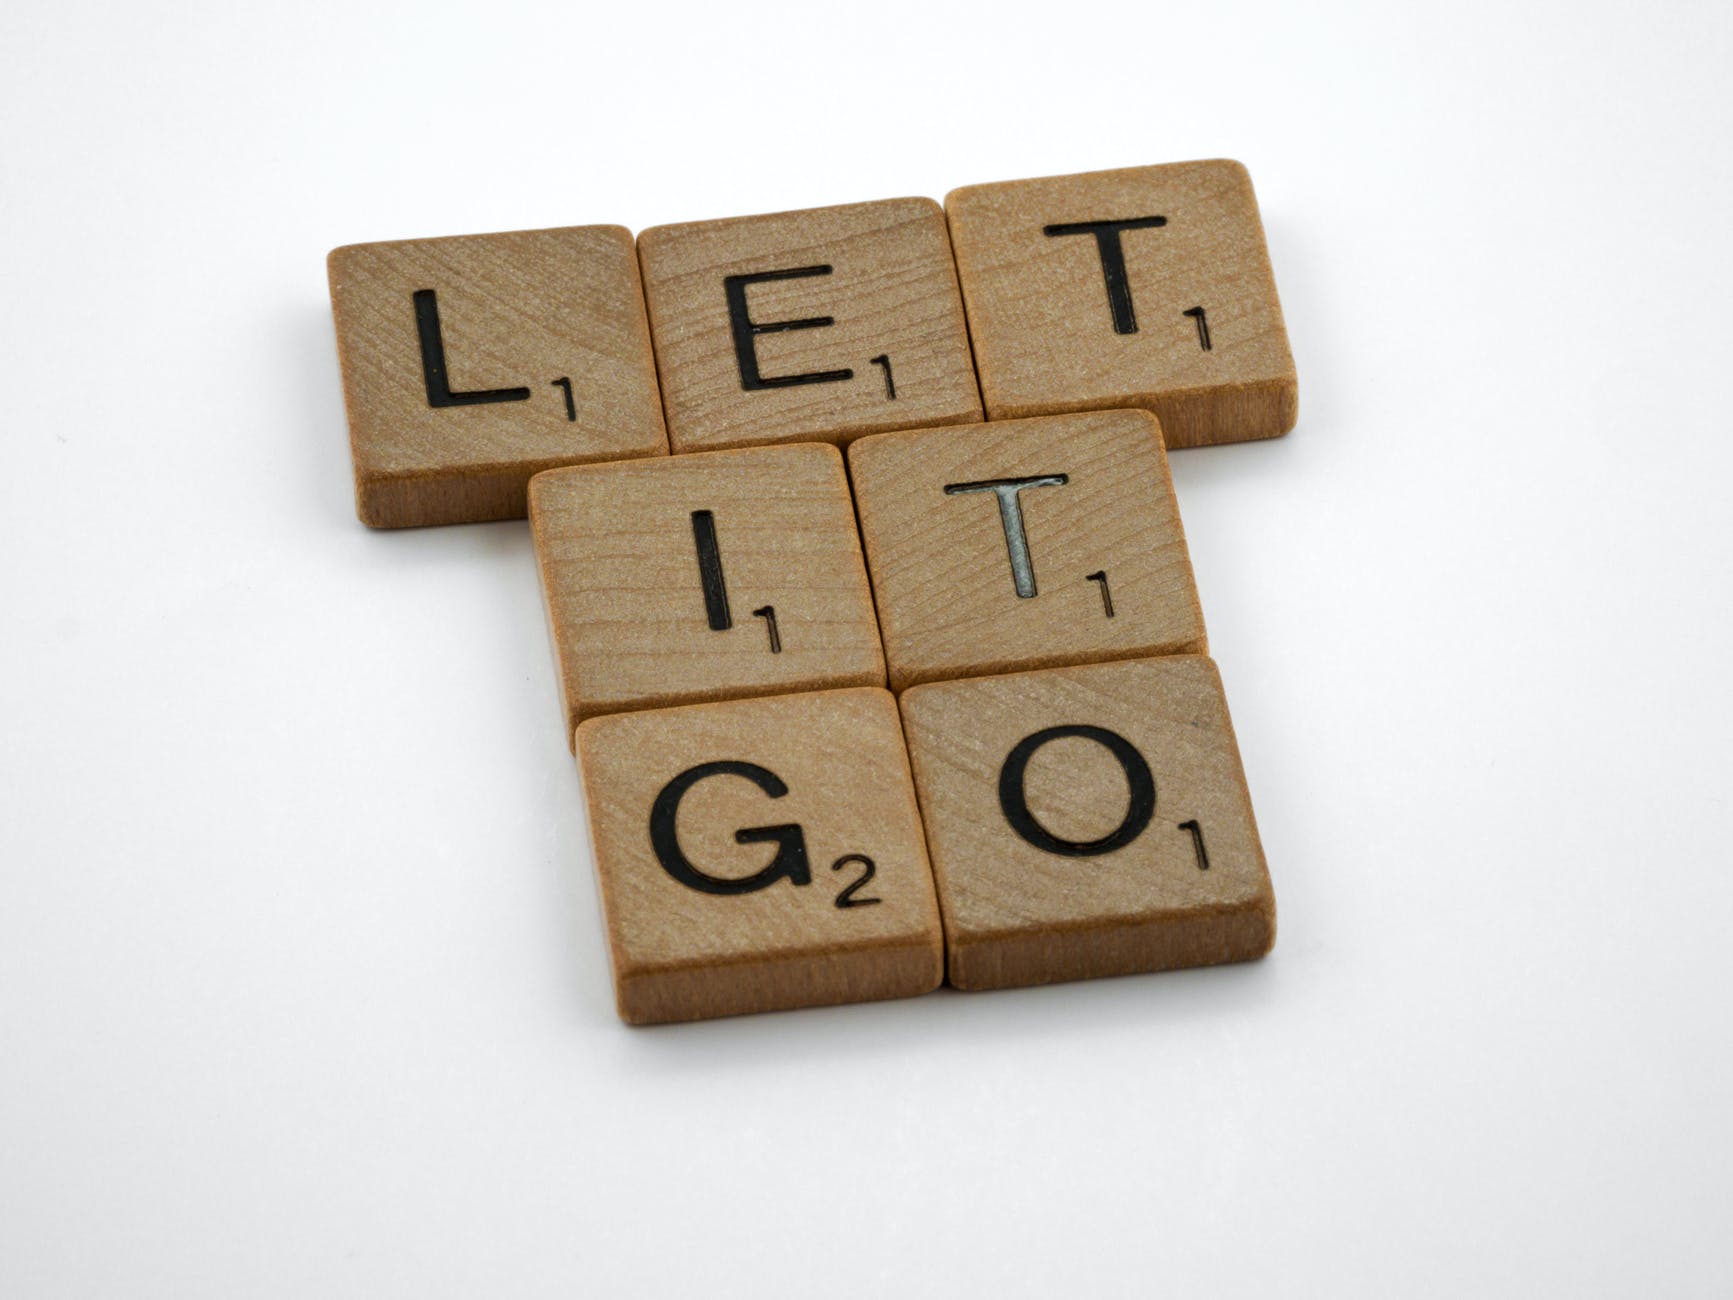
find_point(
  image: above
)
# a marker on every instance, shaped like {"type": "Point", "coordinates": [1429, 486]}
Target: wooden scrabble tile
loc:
{"type": "Point", "coordinates": [703, 577]}
{"type": "Point", "coordinates": [759, 854]}
{"type": "Point", "coordinates": [1088, 821]}
{"type": "Point", "coordinates": [1149, 286]}
{"type": "Point", "coordinates": [471, 363]}
{"type": "Point", "coordinates": [824, 324]}
{"type": "Point", "coordinates": [1024, 544]}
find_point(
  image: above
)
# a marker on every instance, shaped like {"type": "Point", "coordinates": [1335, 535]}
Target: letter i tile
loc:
{"type": "Point", "coordinates": [1088, 821]}
{"type": "Point", "coordinates": [703, 577]}
{"type": "Point", "coordinates": [757, 855]}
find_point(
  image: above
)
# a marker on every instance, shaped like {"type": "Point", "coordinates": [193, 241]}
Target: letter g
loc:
{"type": "Point", "coordinates": [790, 859]}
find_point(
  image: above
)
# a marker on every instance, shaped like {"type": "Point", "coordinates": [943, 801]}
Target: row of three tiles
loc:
{"type": "Point", "coordinates": [470, 363]}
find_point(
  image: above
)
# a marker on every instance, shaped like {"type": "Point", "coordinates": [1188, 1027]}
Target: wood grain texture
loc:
{"type": "Point", "coordinates": [515, 311]}
{"type": "Point", "coordinates": [623, 579]}
{"type": "Point", "coordinates": [941, 566]}
{"type": "Point", "coordinates": [1043, 323]}
{"type": "Point", "coordinates": [681, 953]}
{"type": "Point", "coordinates": [1020, 914]}
{"type": "Point", "coordinates": [891, 292]}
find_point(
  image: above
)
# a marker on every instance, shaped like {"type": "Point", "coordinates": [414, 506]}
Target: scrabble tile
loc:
{"type": "Point", "coordinates": [473, 362]}
{"type": "Point", "coordinates": [1148, 287]}
{"type": "Point", "coordinates": [1088, 821]}
{"type": "Point", "coordinates": [1024, 544]}
{"type": "Point", "coordinates": [824, 324]}
{"type": "Point", "coordinates": [759, 854]}
{"type": "Point", "coordinates": [701, 577]}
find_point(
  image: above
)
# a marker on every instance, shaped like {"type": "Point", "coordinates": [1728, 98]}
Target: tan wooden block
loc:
{"type": "Point", "coordinates": [756, 855]}
{"type": "Point", "coordinates": [1088, 821]}
{"type": "Point", "coordinates": [824, 324]}
{"type": "Point", "coordinates": [471, 363]}
{"type": "Point", "coordinates": [1024, 544]}
{"type": "Point", "coordinates": [1147, 286]}
{"type": "Point", "coordinates": [703, 577]}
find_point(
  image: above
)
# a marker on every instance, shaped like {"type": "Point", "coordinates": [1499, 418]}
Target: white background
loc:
{"type": "Point", "coordinates": [302, 989]}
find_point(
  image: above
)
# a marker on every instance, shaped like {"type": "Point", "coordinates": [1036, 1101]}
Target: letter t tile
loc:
{"type": "Point", "coordinates": [1147, 287]}
{"type": "Point", "coordinates": [1024, 544]}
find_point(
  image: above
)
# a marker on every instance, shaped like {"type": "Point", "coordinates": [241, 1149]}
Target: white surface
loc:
{"type": "Point", "coordinates": [302, 990]}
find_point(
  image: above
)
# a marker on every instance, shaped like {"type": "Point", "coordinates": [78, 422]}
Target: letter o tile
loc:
{"type": "Point", "coordinates": [1088, 821]}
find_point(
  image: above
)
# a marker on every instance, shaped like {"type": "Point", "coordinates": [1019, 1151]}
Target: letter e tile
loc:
{"type": "Point", "coordinates": [816, 325]}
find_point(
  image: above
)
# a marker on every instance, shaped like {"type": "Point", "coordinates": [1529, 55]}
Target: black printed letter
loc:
{"type": "Point", "coordinates": [1112, 262]}
{"type": "Point", "coordinates": [433, 362]}
{"type": "Point", "coordinates": [790, 860]}
{"type": "Point", "coordinates": [747, 330]}
{"type": "Point", "coordinates": [1014, 803]}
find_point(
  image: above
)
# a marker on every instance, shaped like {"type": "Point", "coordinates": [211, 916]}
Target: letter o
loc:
{"type": "Point", "coordinates": [1014, 803]}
